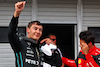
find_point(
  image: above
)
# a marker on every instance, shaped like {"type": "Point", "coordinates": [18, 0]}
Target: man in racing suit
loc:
{"type": "Point", "coordinates": [89, 55]}
{"type": "Point", "coordinates": [27, 49]}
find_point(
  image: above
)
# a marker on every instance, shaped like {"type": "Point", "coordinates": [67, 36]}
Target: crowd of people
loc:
{"type": "Point", "coordinates": [31, 52]}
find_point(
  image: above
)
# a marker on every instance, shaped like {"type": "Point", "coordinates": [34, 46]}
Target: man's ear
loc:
{"type": "Point", "coordinates": [27, 30]}
{"type": "Point", "coordinates": [90, 43]}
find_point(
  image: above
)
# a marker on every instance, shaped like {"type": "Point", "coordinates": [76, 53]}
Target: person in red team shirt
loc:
{"type": "Point", "coordinates": [89, 55]}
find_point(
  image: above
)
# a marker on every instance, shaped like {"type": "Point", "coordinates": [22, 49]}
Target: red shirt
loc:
{"type": "Point", "coordinates": [92, 59]}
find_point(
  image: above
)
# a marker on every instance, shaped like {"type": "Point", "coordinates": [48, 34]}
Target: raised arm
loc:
{"type": "Point", "coordinates": [19, 6]}
{"type": "Point", "coordinates": [12, 36]}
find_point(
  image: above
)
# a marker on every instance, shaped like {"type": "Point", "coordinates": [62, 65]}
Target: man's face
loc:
{"type": "Point", "coordinates": [82, 42]}
{"type": "Point", "coordinates": [53, 38]}
{"type": "Point", "coordinates": [35, 32]}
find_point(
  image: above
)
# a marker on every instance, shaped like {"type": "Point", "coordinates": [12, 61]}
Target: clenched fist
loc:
{"type": "Point", "coordinates": [19, 6]}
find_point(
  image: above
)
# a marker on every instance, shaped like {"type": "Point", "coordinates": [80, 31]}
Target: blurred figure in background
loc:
{"type": "Point", "coordinates": [54, 39]}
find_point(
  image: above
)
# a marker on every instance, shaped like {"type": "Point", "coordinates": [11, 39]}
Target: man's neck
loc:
{"type": "Point", "coordinates": [33, 39]}
{"type": "Point", "coordinates": [91, 47]}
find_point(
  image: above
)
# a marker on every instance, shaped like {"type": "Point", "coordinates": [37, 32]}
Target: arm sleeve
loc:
{"type": "Point", "coordinates": [69, 62]}
{"type": "Point", "coordinates": [91, 61]}
{"type": "Point", "coordinates": [54, 60]}
{"type": "Point", "coordinates": [12, 36]}
{"type": "Point", "coordinates": [57, 58]}
{"type": "Point", "coordinates": [87, 60]}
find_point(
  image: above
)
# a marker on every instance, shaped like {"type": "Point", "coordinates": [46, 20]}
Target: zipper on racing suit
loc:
{"type": "Point", "coordinates": [38, 56]}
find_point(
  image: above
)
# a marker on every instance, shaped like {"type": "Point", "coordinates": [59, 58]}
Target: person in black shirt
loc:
{"type": "Point", "coordinates": [27, 49]}
{"type": "Point", "coordinates": [53, 38]}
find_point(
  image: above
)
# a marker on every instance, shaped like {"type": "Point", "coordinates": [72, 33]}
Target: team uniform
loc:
{"type": "Point", "coordinates": [52, 52]}
{"type": "Point", "coordinates": [27, 51]}
{"type": "Point", "coordinates": [92, 59]}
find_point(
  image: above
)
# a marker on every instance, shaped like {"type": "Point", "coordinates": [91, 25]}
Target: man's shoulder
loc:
{"type": "Point", "coordinates": [97, 50]}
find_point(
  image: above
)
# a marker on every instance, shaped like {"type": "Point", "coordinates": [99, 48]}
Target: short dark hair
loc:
{"type": "Point", "coordinates": [33, 22]}
{"type": "Point", "coordinates": [87, 36]}
{"type": "Point", "coordinates": [50, 35]}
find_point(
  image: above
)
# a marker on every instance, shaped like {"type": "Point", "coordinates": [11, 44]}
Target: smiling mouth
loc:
{"type": "Point", "coordinates": [37, 35]}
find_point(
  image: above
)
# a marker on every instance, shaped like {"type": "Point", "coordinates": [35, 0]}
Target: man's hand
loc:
{"type": "Point", "coordinates": [48, 41]}
{"type": "Point", "coordinates": [84, 48]}
{"type": "Point", "coordinates": [19, 6]}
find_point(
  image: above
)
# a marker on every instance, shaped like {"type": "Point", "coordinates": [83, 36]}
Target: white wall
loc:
{"type": "Point", "coordinates": [6, 55]}
{"type": "Point", "coordinates": [7, 10]}
{"type": "Point", "coordinates": [57, 11]}
{"type": "Point", "coordinates": [91, 15]}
